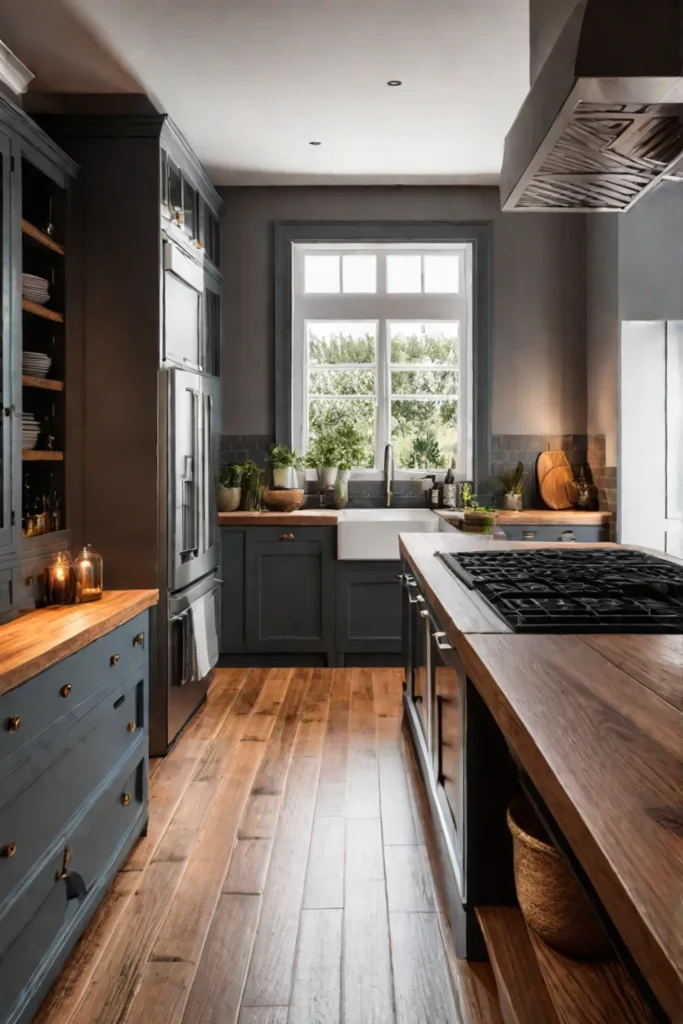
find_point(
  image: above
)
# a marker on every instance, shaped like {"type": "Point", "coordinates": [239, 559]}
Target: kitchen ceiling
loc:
{"type": "Point", "coordinates": [252, 82]}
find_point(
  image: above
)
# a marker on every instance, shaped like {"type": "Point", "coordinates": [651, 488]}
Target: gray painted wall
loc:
{"type": "Point", "coordinates": [602, 323]}
{"type": "Point", "coordinates": [539, 309]}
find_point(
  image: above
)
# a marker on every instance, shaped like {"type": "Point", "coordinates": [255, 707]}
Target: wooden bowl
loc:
{"type": "Point", "coordinates": [283, 500]}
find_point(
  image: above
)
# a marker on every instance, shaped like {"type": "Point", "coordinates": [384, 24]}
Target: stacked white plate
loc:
{"type": "Point", "coordinates": [30, 428]}
{"type": "Point", "coordinates": [35, 364]}
{"type": "Point", "coordinates": [36, 289]}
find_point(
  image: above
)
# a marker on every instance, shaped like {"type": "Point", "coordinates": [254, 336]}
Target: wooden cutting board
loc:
{"type": "Point", "coordinates": [547, 461]}
{"type": "Point", "coordinates": [554, 487]}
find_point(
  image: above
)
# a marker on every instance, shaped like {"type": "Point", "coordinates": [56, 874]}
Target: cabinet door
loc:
{"type": "Point", "coordinates": [11, 355]}
{"type": "Point", "coordinates": [211, 336]}
{"type": "Point", "coordinates": [368, 607]}
{"type": "Point", "coordinates": [289, 590]}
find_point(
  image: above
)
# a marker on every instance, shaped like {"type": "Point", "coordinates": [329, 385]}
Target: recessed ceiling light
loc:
{"type": "Point", "coordinates": [393, 82]}
{"type": "Point", "coordinates": [314, 143]}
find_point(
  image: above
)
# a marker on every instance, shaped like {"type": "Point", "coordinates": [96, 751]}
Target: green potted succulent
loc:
{"type": "Point", "coordinates": [284, 462]}
{"type": "Point", "coordinates": [513, 484]}
{"type": "Point", "coordinates": [323, 456]}
{"type": "Point", "coordinates": [229, 487]}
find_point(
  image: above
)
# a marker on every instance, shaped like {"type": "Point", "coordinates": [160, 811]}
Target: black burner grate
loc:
{"type": "Point", "coordinates": [580, 591]}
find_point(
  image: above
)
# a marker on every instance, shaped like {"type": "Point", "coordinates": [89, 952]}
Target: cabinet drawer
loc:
{"type": "Point", "coordinates": [542, 532]}
{"type": "Point", "coordinates": [32, 817]}
{"type": "Point", "coordinates": [67, 691]}
{"type": "Point", "coordinates": [94, 844]}
{"type": "Point", "coordinates": [325, 535]}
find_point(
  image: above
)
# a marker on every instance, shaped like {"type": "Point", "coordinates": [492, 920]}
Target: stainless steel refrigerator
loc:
{"type": "Point", "coordinates": [188, 611]}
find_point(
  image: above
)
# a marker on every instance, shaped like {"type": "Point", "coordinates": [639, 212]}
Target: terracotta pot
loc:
{"type": "Point", "coordinates": [229, 498]}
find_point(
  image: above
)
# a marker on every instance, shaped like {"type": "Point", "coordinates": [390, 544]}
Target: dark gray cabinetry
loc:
{"type": "Point", "coordinates": [368, 607]}
{"type": "Point", "coordinates": [278, 591]}
{"type": "Point", "coordinates": [289, 589]}
{"type": "Point", "coordinates": [73, 801]}
{"type": "Point", "coordinates": [284, 592]}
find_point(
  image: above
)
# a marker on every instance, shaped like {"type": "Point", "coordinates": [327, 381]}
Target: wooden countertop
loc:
{"type": "Point", "coordinates": [41, 638]}
{"type": "Point", "coordinates": [596, 722]}
{"type": "Point", "coordinates": [540, 517]}
{"type": "Point", "coordinates": [302, 517]}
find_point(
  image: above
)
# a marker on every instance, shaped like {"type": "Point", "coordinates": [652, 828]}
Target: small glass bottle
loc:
{"type": "Point", "coordinates": [60, 579]}
{"type": "Point", "coordinates": [449, 489]}
{"type": "Point", "coordinates": [89, 573]}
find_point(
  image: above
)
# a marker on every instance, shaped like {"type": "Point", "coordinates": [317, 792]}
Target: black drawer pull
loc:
{"type": "Point", "coordinates": [9, 850]}
{"type": "Point", "coordinates": [65, 690]}
{"type": "Point", "coordinates": [119, 701]}
{"type": "Point", "coordinates": [114, 660]}
{"type": "Point", "coordinates": [13, 723]}
{"type": "Point", "coordinates": [139, 640]}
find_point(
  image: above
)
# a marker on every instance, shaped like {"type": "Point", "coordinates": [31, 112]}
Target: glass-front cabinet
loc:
{"type": "Point", "coordinates": [34, 180]}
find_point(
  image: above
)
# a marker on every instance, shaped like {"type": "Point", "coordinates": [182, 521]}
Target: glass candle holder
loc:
{"type": "Point", "coordinates": [60, 580]}
{"type": "Point", "coordinates": [89, 574]}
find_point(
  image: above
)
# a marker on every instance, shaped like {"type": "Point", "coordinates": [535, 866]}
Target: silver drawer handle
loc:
{"type": "Point", "coordinates": [442, 645]}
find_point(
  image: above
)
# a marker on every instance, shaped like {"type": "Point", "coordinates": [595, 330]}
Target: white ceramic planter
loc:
{"type": "Point", "coordinates": [284, 476]}
{"type": "Point", "coordinates": [229, 499]}
{"type": "Point", "coordinates": [512, 502]}
{"type": "Point", "coordinates": [327, 476]}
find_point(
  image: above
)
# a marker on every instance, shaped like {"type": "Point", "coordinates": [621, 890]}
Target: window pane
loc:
{"type": "Point", "coordinates": [404, 274]}
{"type": "Point", "coordinates": [337, 341]}
{"type": "Point", "coordinates": [431, 344]}
{"type": "Point", "coordinates": [424, 382]}
{"type": "Point", "coordinates": [442, 273]}
{"type": "Point", "coordinates": [424, 432]}
{"type": "Point", "coordinates": [329, 414]}
{"type": "Point", "coordinates": [341, 382]}
{"type": "Point", "coordinates": [321, 274]}
{"type": "Point", "coordinates": [359, 273]}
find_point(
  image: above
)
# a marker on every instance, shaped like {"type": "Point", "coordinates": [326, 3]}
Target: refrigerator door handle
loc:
{"type": "Point", "coordinates": [208, 482]}
{"type": "Point", "coordinates": [195, 460]}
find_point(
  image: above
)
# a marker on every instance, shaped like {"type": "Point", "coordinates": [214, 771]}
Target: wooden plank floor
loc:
{"type": "Point", "coordinates": [285, 877]}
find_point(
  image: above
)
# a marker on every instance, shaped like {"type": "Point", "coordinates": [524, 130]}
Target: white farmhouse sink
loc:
{"type": "Point", "coordinates": [371, 534]}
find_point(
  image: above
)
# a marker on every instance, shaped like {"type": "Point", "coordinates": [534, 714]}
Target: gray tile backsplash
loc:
{"type": "Point", "coordinates": [506, 451]}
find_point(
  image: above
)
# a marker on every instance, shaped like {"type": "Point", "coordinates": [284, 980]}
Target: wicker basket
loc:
{"type": "Point", "coordinates": [551, 900]}
{"type": "Point", "coordinates": [283, 500]}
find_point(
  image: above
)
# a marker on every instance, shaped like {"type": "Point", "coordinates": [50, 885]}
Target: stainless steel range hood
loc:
{"type": "Point", "coordinates": [603, 121]}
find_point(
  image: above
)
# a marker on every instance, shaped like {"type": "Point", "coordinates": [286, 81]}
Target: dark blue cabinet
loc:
{"type": "Point", "coordinates": [368, 607]}
{"type": "Point", "coordinates": [73, 801]}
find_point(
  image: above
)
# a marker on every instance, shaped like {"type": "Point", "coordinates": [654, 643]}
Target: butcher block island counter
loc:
{"type": "Point", "coordinates": [590, 728]}
{"type": "Point", "coordinates": [73, 778]}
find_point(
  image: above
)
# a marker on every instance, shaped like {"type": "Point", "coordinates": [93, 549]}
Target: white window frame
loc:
{"type": "Point", "coordinates": [382, 308]}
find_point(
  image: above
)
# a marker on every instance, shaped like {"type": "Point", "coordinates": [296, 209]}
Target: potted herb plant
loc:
{"type": "Point", "coordinates": [251, 487]}
{"type": "Point", "coordinates": [513, 483]}
{"type": "Point", "coordinates": [284, 461]}
{"type": "Point", "coordinates": [352, 453]}
{"type": "Point", "coordinates": [229, 487]}
{"type": "Point", "coordinates": [323, 456]}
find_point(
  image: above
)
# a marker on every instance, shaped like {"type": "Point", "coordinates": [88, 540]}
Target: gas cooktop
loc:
{"type": "Point", "coordinates": [576, 591]}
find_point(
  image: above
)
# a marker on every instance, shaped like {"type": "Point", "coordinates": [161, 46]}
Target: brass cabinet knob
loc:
{"type": "Point", "coordinates": [65, 690]}
{"type": "Point", "coordinates": [114, 660]}
{"type": "Point", "coordinates": [28, 581]}
{"type": "Point", "coordinates": [9, 850]}
{"type": "Point", "coordinates": [13, 723]}
{"type": "Point", "coordinates": [125, 799]}
{"type": "Point", "coordinates": [528, 534]}
{"type": "Point", "coordinates": [131, 727]}
{"type": "Point", "coordinates": [286, 536]}
{"type": "Point", "coordinates": [139, 640]}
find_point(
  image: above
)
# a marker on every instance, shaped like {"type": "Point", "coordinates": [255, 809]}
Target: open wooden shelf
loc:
{"type": "Point", "coordinates": [35, 455]}
{"type": "Point", "coordinates": [537, 985]}
{"type": "Point", "coordinates": [41, 237]}
{"type": "Point", "coordinates": [42, 382]}
{"type": "Point", "coordinates": [38, 310]}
